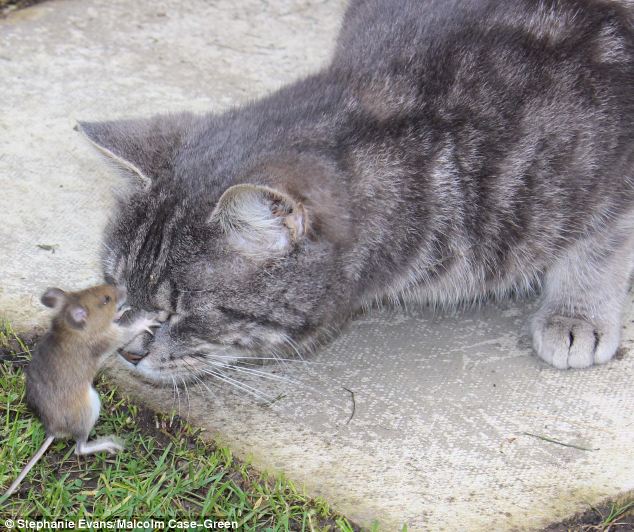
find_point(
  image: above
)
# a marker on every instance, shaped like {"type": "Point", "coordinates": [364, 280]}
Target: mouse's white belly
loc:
{"type": "Point", "coordinates": [95, 404]}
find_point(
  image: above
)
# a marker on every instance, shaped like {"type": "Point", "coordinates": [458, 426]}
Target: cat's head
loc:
{"type": "Point", "coordinates": [238, 251]}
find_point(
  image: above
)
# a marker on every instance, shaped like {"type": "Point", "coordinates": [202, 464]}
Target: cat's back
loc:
{"type": "Point", "coordinates": [552, 70]}
{"type": "Point", "coordinates": [383, 33]}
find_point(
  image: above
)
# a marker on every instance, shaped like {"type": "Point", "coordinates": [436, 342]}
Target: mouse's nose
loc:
{"type": "Point", "coordinates": [133, 358]}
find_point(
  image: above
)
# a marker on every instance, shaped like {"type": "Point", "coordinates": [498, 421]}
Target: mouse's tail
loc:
{"type": "Point", "coordinates": [29, 466]}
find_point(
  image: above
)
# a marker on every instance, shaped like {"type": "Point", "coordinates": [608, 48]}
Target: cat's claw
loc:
{"type": "Point", "coordinates": [121, 312]}
{"type": "Point", "coordinates": [144, 325]}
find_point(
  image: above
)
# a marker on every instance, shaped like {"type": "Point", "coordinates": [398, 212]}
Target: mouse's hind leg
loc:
{"type": "Point", "coordinates": [579, 322]}
{"type": "Point", "coordinates": [110, 444]}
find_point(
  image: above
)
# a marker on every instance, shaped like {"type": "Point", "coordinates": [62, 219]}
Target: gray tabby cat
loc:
{"type": "Point", "coordinates": [451, 151]}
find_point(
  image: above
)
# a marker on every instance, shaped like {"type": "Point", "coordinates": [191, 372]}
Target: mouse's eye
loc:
{"type": "Point", "coordinates": [106, 300]}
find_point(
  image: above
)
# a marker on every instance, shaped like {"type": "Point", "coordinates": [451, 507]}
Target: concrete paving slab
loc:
{"type": "Point", "coordinates": [66, 60]}
{"type": "Point", "coordinates": [438, 433]}
{"type": "Point", "coordinates": [410, 416]}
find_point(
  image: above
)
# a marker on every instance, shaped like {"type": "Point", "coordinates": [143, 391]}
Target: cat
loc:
{"type": "Point", "coordinates": [449, 151]}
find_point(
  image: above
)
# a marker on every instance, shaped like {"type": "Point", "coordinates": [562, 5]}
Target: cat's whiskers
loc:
{"type": "Point", "coordinates": [188, 398]}
{"type": "Point", "coordinates": [217, 367]}
{"type": "Point", "coordinates": [275, 355]}
{"type": "Point", "coordinates": [193, 373]}
{"type": "Point", "coordinates": [178, 395]}
{"type": "Point", "coordinates": [230, 357]}
{"type": "Point", "coordinates": [173, 392]}
{"type": "Point", "coordinates": [252, 371]}
{"type": "Point", "coordinates": [289, 341]}
{"type": "Point", "coordinates": [237, 384]}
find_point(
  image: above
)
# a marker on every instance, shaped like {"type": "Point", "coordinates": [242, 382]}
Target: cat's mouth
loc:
{"type": "Point", "coordinates": [165, 364]}
{"type": "Point", "coordinates": [132, 358]}
{"type": "Point", "coordinates": [135, 351]}
{"type": "Point", "coordinates": [161, 359]}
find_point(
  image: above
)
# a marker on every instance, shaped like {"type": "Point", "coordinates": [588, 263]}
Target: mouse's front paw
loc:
{"type": "Point", "coordinates": [145, 323]}
{"type": "Point", "coordinates": [150, 324]}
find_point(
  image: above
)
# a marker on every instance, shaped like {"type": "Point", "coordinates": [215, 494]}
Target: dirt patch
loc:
{"type": "Point", "coordinates": [615, 515]}
{"type": "Point", "coordinates": [6, 6]}
{"type": "Point", "coordinates": [621, 353]}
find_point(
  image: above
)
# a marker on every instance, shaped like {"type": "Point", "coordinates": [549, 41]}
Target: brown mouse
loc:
{"type": "Point", "coordinates": [59, 378]}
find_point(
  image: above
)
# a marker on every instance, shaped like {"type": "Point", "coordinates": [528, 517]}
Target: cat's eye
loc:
{"type": "Point", "coordinates": [106, 300]}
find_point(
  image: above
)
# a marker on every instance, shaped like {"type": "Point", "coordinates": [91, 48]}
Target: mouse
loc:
{"type": "Point", "coordinates": [85, 330]}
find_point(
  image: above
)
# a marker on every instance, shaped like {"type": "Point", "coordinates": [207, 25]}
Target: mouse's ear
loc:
{"type": "Point", "coordinates": [53, 298]}
{"type": "Point", "coordinates": [76, 316]}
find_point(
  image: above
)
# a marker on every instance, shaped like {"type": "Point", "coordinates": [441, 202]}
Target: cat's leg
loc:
{"type": "Point", "coordinates": [579, 321]}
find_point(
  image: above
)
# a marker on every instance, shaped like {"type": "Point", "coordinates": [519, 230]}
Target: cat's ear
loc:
{"type": "Point", "coordinates": [260, 221]}
{"type": "Point", "coordinates": [144, 149]}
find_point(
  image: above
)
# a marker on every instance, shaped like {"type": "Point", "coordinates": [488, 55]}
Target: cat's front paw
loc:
{"type": "Point", "coordinates": [569, 342]}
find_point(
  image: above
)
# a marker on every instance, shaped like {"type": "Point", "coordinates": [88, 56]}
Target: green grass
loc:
{"type": "Point", "coordinates": [167, 470]}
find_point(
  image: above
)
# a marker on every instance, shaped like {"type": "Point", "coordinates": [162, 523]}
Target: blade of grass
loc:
{"type": "Point", "coordinates": [552, 440]}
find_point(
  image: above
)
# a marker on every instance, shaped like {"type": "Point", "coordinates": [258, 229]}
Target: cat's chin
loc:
{"type": "Point", "coordinates": [151, 375]}
{"type": "Point", "coordinates": [165, 377]}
